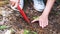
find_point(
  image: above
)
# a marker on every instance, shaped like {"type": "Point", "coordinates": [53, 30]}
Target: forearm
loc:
{"type": "Point", "coordinates": [48, 7]}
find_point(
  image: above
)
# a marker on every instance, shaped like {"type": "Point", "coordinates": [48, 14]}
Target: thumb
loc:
{"type": "Point", "coordinates": [34, 20]}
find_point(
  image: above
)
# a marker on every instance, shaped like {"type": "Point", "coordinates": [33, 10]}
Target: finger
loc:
{"type": "Point", "coordinates": [13, 3]}
{"type": "Point", "coordinates": [45, 24]}
{"type": "Point", "coordinates": [34, 20]}
{"type": "Point", "coordinates": [42, 24]}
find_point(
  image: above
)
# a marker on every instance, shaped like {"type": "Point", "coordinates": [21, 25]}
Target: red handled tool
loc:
{"type": "Point", "coordinates": [20, 10]}
{"type": "Point", "coordinates": [23, 14]}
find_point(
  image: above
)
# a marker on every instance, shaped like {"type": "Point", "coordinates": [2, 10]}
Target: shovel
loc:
{"type": "Point", "coordinates": [21, 12]}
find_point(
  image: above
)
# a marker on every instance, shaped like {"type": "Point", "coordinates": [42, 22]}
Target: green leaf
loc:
{"type": "Point", "coordinates": [35, 17]}
{"type": "Point", "coordinates": [26, 31]}
{"type": "Point", "coordinates": [29, 32]}
{"type": "Point", "coordinates": [35, 33]}
{"type": "Point", "coordinates": [3, 27]}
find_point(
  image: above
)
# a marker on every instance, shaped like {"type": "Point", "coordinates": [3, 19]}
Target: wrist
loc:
{"type": "Point", "coordinates": [44, 15]}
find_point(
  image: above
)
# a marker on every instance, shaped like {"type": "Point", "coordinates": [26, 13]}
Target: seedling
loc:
{"type": "Point", "coordinates": [3, 27]}
{"type": "Point", "coordinates": [29, 32]}
{"type": "Point", "coordinates": [9, 31]}
{"type": "Point", "coordinates": [35, 17]}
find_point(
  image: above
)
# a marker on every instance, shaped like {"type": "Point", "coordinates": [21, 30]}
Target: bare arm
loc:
{"type": "Point", "coordinates": [43, 19]}
{"type": "Point", "coordinates": [48, 7]}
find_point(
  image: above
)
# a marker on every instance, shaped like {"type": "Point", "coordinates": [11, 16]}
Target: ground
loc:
{"type": "Point", "coordinates": [17, 22]}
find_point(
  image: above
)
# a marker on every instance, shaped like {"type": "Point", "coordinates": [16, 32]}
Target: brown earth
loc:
{"type": "Point", "coordinates": [18, 23]}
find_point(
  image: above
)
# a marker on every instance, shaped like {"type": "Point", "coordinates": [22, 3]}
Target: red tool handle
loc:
{"type": "Point", "coordinates": [23, 14]}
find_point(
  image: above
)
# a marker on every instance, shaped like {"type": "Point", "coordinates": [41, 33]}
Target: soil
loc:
{"type": "Point", "coordinates": [17, 22]}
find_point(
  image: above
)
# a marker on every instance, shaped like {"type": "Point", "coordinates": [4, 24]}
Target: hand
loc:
{"type": "Point", "coordinates": [12, 3]}
{"type": "Point", "coordinates": [43, 20]}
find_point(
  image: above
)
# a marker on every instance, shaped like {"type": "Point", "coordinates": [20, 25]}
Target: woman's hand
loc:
{"type": "Point", "coordinates": [43, 20]}
{"type": "Point", "coordinates": [12, 3]}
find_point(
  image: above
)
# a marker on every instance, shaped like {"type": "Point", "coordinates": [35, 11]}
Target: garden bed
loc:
{"type": "Point", "coordinates": [16, 21]}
